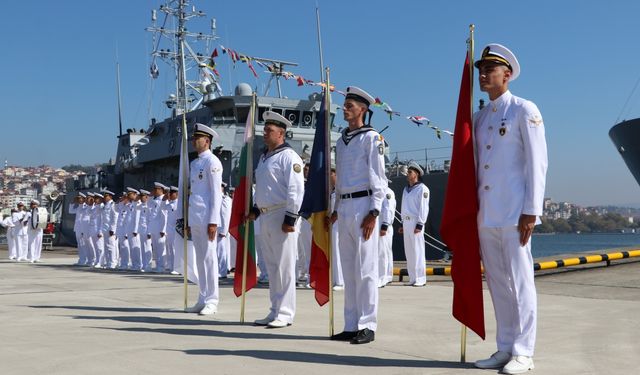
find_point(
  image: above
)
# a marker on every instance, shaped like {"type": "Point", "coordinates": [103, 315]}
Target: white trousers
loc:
{"type": "Point", "coordinates": [98, 246]}
{"type": "Point", "coordinates": [509, 273]}
{"type": "Point", "coordinates": [34, 238]}
{"type": "Point", "coordinates": [90, 247]}
{"type": "Point", "coordinates": [223, 252]}
{"type": "Point", "coordinates": [304, 249]}
{"type": "Point", "coordinates": [336, 264]}
{"type": "Point", "coordinates": [82, 256]}
{"type": "Point", "coordinates": [11, 242]}
{"type": "Point", "coordinates": [207, 265]}
{"type": "Point", "coordinates": [414, 251]}
{"type": "Point", "coordinates": [262, 266]}
{"type": "Point", "coordinates": [169, 250]}
{"type": "Point", "coordinates": [279, 253]}
{"type": "Point", "coordinates": [145, 249]}
{"type": "Point", "coordinates": [125, 251]}
{"type": "Point", "coordinates": [135, 251]}
{"type": "Point", "coordinates": [385, 257]}
{"type": "Point", "coordinates": [21, 243]}
{"type": "Point", "coordinates": [159, 246]}
{"type": "Point", "coordinates": [110, 250]}
{"type": "Point", "coordinates": [359, 266]}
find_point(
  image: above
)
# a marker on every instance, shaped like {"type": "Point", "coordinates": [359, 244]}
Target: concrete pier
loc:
{"type": "Point", "coordinates": [59, 319]}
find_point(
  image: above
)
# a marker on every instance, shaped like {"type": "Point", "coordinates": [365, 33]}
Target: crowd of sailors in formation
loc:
{"type": "Point", "coordinates": [137, 232]}
{"type": "Point", "coordinates": [24, 239]}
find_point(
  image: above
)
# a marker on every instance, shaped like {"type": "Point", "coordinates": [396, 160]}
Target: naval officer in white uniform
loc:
{"type": "Point", "coordinates": [205, 178]}
{"type": "Point", "coordinates": [511, 157]}
{"type": "Point", "coordinates": [278, 197]}
{"type": "Point", "coordinates": [108, 224]}
{"type": "Point", "coordinates": [385, 243]}
{"type": "Point", "coordinates": [414, 211]}
{"type": "Point", "coordinates": [158, 225]}
{"type": "Point", "coordinates": [360, 190]}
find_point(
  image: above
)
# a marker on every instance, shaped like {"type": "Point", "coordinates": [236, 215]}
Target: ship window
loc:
{"type": "Point", "coordinates": [261, 111]}
{"type": "Point", "coordinates": [243, 112]}
{"type": "Point", "coordinates": [277, 110]}
{"type": "Point", "coordinates": [307, 119]}
{"type": "Point", "coordinates": [293, 116]}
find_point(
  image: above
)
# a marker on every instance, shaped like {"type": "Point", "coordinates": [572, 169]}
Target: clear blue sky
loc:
{"type": "Point", "coordinates": [579, 64]}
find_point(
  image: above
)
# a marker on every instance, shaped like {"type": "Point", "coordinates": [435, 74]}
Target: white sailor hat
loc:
{"type": "Point", "coordinates": [359, 95]}
{"type": "Point", "coordinates": [416, 167]}
{"type": "Point", "coordinates": [159, 185]}
{"type": "Point", "coordinates": [132, 190]}
{"type": "Point", "coordinates": [98, 195]}
{"type": "Point", "coordinates": [90, 194]}
{"type": "Point", "coordinates": [174, 188]}
{"type": "Point", "coordinates": [144, 192]}
{"type": "Point", "coordinates": [35, 201]}
{"type": "Point", "coordinates": [499, 54]}
{"type": "Point", "coordinates": [108, 192]}
{"type": "Point", "coordinates": [82, 195]}
{"type": "Point", "coordinates": [276, 119]}
{"type": "Point", "coordinates": [203, 130]}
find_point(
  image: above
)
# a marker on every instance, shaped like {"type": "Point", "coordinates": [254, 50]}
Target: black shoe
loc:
{"type": "Point", "coordinates": [344, 336]}
{"type": "Point", "coordinates": [364, 336]}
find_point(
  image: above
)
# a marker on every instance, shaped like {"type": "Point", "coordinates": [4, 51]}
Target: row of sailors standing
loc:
{"type": "Point", "coordinates": [23, 239]}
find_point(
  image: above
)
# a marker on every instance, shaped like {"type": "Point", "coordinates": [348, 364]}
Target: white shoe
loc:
{"type": "Point", "coordinates": [263, 322]}
{"type": "Point", "coordinates": [518, 364]}
{"type": "Point", "coordinates": [419, 284]}
{"type": "Point", "coordinates": [175, 272]}
{"type": "Point", "coordinates": [278, 324]}
{"type": "Point", "coordinates": [97, 266]}
{"type": "Point", "coordinates": [209, 309]}
{"type": "Point", "coordinates": [338, 288]}
{"type": "Point", "coordinates": [195, 308]}
{"type": "Point", "coordinates": [497, 360]}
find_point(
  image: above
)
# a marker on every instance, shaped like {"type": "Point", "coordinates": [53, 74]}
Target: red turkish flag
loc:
{"type": "Point", "coordinates": [459, 227]}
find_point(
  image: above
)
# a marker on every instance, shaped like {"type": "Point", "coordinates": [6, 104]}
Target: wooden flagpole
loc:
{"type": "Point", "coordinates": [327, 160]}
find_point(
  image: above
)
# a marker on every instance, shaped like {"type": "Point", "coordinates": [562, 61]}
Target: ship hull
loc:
{"type": "Point", "coordinates": [625, 136]}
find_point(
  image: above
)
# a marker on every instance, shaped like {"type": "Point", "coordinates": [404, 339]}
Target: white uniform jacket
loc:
{"type": "Point", "coordinates": [511, 160]}
{"type": "Point", "coordinates": [170, 208]}
{"type": "Point", "coordinates": [157, 216]}
{"type": "Point", "coordinates": [109, 217]}
{"type": "Point", "coordinates": [415, 204]}
{"type": "Point", "coordinates": [19, 220]}
{"type": "Point", "coordinates": [388, 211]}
{"type": "Point", "coordinates": [280, 182]}
{"type": "Point", "coordinates": [121, 221]}
{"type": "Point", "coordinates": [361, 171]}
{"type": "Point", "coordinates": [225, 215]}
{"type": "Point", "coordinates": [205, 177]}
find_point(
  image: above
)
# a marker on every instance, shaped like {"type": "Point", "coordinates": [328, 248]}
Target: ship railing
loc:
{"type": "Point", "coordinates": [435, 159]}
{"type": "Point", "coordinates": [440, 245]}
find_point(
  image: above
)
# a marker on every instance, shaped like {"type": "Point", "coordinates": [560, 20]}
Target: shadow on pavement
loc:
{"type": "Point", "coordinates": [214, 333]}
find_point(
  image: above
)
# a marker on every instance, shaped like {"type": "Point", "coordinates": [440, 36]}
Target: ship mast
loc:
{"type": "Point", "coordinates": [185, 58]}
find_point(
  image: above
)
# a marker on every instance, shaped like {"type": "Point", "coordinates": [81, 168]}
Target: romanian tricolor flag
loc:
{"type": "Point", "coordinates": [316, 203]}
{"type": "Point", "coordinates": [242, 202]}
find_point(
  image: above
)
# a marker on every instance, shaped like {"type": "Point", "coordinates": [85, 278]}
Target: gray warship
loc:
{"type": "Point", "coordinates": [152, 154]}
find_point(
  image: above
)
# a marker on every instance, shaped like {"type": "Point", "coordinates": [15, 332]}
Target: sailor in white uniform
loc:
{"type": "Point", "coordinates": [20, 239]}
{"type": "Point", "coordinates": [87, 230]}
{"type": "Point", "coordinates": [75, 209]}
{"type": "Point", "coordinates": [360, 190]}
{"type": "Point", "coordinates": [223, 234]}
{"type": "Point", "coordinates": [108, 224]}
{"type": "Point", "coordinates": [170, 206]}
{"type": "Point", "coordinates": [34, 235]}
{"type": "Point", "coordinates": [96, 230]}
{"type": "Point", "coordinates": [144, 230]}
{"type": "Point", "coordinates": [511, 157]}
{"type": "Point", "coordinates": [158, 225]}
{"type": "Point", "coordinates": [414, 212]}
{"type": "Point", "coordinates": [132, 225]}
{"type": "Point", "coordinates": [124, 250]}
{"type": "Point", "coordinates": [7, 222]}
{"type": "Point", "coordinates": [385, 243]}
{"type": "Point", "coordinates": [205, 178]}
{"type": "Point", "coordinates": [278, 197]}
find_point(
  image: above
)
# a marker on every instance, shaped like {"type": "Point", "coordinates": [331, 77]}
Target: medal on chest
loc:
{"type": "Point", "coordinates": [503, 129]}
{"type": "Point", "coordinates": [200, 175]}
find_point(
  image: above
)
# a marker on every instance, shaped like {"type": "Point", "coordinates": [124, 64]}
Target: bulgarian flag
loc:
{"type": "Point", "coordinates": [459, 227]}
{"type": "Point", "coordinates": [242, 203]}
{"type": "Point", "coordinates": [316, 203]}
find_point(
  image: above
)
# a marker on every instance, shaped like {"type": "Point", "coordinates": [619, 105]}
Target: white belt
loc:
{"type": "Point", "coordinates": [264, 210]}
